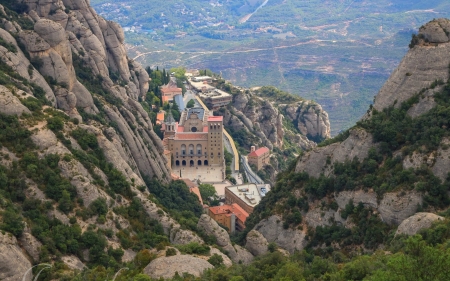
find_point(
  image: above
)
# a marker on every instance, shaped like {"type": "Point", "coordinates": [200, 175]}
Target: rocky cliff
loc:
{"type": "Point", "coordinates": [69, 87]}
{"type": "Point", "coordinates": [365, 168]}
{"type": "Point", "coordinates": [262, 113]}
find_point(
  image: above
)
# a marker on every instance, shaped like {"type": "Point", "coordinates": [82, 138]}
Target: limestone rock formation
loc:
{"type": "Point", "coordinates": [31, 245]}
{"type": "Point", "coordinates": [393, 207]}
{"type": "Point", "coordinates": [421, 66]}
{"type": "Point", "coordinates": [264, 119]}
{"type": "Point", "coordinates": [416, 222]}
{"type": "Point", "coordinates": [13, 263]}
{"type": "Point", "coordinates": [235, 252]}
{"type": "Point", "coordinates": [312, 121]}
{"type": "Point", "coordinates": [289, 239]}
{"type": "Point", "coordinates": [210, 226]}
{"type": "Point", "coordinates": [167, 267]}
{"type": "Point", "coordinates": [73, 262]}
{"type": "Point", "coordinates": [319, 160]}
{"type": "Point", "coordinates": [10, 104]}
{"type": "Point", "coordinates": [436, 31]}
{"type": "Point", "coordinates": [256, 243]}
{"type": "Point", "coordinates": [317, 217]}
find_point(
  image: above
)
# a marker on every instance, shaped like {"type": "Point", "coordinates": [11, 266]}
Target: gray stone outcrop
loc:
{"type": "Point", "coordinates": [417, 222]}
{"type": "Point", "coordinates": [393, 207]}
{"type": "Point", "coordinates": [421, 66]}
{"type": "Point", "coordinates": [167, 267]}
{"type": "Point", "coordinates": [10, 104]}
{"type": "Point", "coordinates": [438, 161]}
{"type": "Point", "coordinates": [73, 262]}
{"type": "Point", "coordinates": [436, 31]}
{"type": "Point", "coordinates": [312, 121]}
{"type": "Point", "coordinates": [31, 245]}
{"type": "Point", "coordinates": [235, 252]}
{"type": "Point", "coordinates": [320, 159]}
{"type": "Point", "coordinates": [289, 239]}
{"type": "Point", "coordinates": [256, 244]}
{"type": "Point", "coordinates": [13, 263]}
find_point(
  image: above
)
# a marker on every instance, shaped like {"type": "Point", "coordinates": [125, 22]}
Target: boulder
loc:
{"type": "Point", "coordinates": [73, 262]}
{"type": "Point", "coordinates": [289, 239]}
{"type": "Point", "coordinates": [416, 222]}
{"type": "Point", "coordinates": [256, 243]}
{"type": "Point", "coordinates": [436, 31]}
{"type": "Point", "coordinates": [210, 227]}
{"type": "Point", "coordinates": [180, 236]}
{"type": "Point", "coordinates": [52, 32]}
{"type": "Point", "coordinates": [10, 104]}
{"type": "Point", "coordinates": [167, 267]}
{"type": "Point", "coordinates": [235, 252]}
{"type": "Point", "coordinates": [420, 67]}
{"type": "Point", "coordinates": [13, 263]}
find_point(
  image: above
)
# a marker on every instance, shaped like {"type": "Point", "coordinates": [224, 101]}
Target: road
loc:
{"type": "Point", "coordinates": [251, 176]}
{"type": "Point", "coordinates": [235, 174]}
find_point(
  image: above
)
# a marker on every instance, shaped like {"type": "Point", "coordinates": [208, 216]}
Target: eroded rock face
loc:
{"type": "Point", "coordinates": [393, 207]}
{"type": "Point", "coordinates": [10, 104]}
{"type": "Point", "coordinates": [318, 160]}
{"type": "Point", "coordinates": [420, 67]}
{"type": "Point", "coordinates": [235, 252]}
{"type": "Point", "coordinates": [167, 267]}
{"type": "Point", "coordinates": [415, 223]}
{"type": "Point", "coordinates": [210, 226]}
{"type": "Point", "coordinates": [13, 263]}
{"type": "Point", "coordinates": [311, 119]}
{"type": "Point", "coordinates": [436, 31]}
{"type": "Point", "coordinates": [438, 161]}
{"type": "Point", "coordinates": [264, 119]}
{"type": "Point", "coordinates": [256, 243]}
{"type": "Point", "coordinates": [289, 239]}
{"type": "Point", "coordinates": [31, 245]}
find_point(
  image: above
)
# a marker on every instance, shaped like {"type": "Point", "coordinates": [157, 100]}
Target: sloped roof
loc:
{"type": "Point", "coordinates": [227, 210]}
{"type": "Point", "coordinates": [260, 151]}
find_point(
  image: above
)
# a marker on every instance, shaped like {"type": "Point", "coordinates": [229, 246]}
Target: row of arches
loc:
{"type": "Point", "coordinates": [191, 149]}
{"type": "Point", "coordinates": [191, 163]}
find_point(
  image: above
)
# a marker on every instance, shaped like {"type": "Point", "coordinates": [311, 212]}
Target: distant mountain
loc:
{"type": "Point", "coordinates": [337, 53]}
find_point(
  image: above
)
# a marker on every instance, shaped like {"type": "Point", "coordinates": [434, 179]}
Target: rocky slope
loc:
{"type": "Point", "coordinates": [264, 116]}
{"type": "Point", "coordinates": [328, 179]}
{"type": "Point", "coordinates": [66, 76]}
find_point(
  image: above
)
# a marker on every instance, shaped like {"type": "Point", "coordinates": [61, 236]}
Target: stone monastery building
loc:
{"type": "Point", "coordinates": [196, 140]}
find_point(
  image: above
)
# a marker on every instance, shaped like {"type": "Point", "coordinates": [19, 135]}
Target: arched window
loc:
{"type": "Point", "coordinates": [183, 149]}
{"type": "Point", "coordinates": [194, 129]}
{"type": "Point", "coordinates": [191, 149]}
{"type": "Point", "coordinates": [177, 163]}
{"type": "Point", "coordinates": [199, 149]}
{"type": "Point", "coordinates": [206, 162]}
{"type": "Point", "coordinates": [191, 163]}
{"type": "Point", "coordinates": [199, 162]}
{"type": "Point", "coordinates": [183, 163]}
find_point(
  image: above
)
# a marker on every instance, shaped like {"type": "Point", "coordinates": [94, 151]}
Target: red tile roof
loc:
{"type": "Point", "coordinates": [159, 117]}
{"type": "Point", "coordinates": [227, 210]}
{"type": "Point", "coordinates": [170, 90]}
{"type": "Point", "coordinates": [191, 136]}
{"type": "Point", "coordinates": [260, 151]}
{"type": "Point", "coordinates": [215, 118]}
